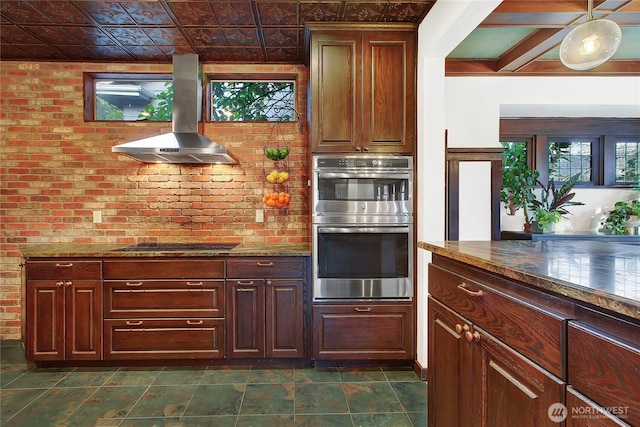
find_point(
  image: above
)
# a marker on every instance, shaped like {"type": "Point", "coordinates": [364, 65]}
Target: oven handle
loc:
{"type": "Point", "coordinates": [363, 230]}
{"type": "Point", "coordinates": [360, 174]}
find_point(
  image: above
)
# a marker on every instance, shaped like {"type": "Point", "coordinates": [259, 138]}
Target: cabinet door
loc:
{"type": "Point", "coordinates": [582, 412]}
{"type": "Point", "coordinates": [389, 105]}
{"type": "Point", "coordinates": [449, 382]}
{"type": "Point", "coordinates": [45, 320]}
{"type": "Point", "coordinates": [284, 322]}
{"type": "Point", "coordinates": [335, 98]}
{"type": "Point", "coordinates": [83, 318]}
{"type": "Point", "coordinates": [508, 389]}
{"type": "Point", "coordinates": [245, 318]}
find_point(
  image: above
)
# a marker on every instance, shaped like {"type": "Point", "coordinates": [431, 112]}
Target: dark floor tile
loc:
{"type": "Point", "coordinates": [10, 373]}
{"type": "Point", "coordinates": [216, 399]}
{"type": "Point", "coordinates": [151, 422]}
{"type": "Point", "coordinates": [268, 399]}
{"type": "Point", "coordinates": [107, 406]}
{"type": "Point", "coordinates": [87, 377]}
{"type": "Point", "coordinates": [40, 378]}
{"type": "Point", "coordinates": [226, 375]}
{"type": "Point", "coordinates": [265, 421]}
{"type": "Point", "coordinates": [213, 421]}
{"type": "Point", "coordinates": [271, 375]}
{"type": "Point", "coordinates": [418, 419]}
{"type": "Point", "coordinates": [52, 408]}
{"type": "Point", "coordinates": [320, 398]}
{"type": "Point", "coordinates": [323, 420]}
{"type": "Point", "coordinates": [316, 375]}
{"type": "Point", "coordinates": [11, 352]}
{"type": "Point", "coordinates": [412, 395]}
{"type": "Point", "coordinates": [399, 374]}
{"type": "Point", "coordinates": [12, 401]}
{"type": "Point", "coordinates": [381, 420]}
{"type": "Point", "coordinates": [361, 374]}
{"type": "Point", "coordinates": [165, 401]}
{"type": "Point", "coordinates": [133, 376]}
{"type": "Point", "coordinates": [367, 397]}
{"type": "Point", "coordinates": [180, 375]}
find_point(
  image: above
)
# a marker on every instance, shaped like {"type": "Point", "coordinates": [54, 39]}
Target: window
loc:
{"type": "Point", "coordinates": [603, 151]}
{"type": "Point", "coordinates": [568, 157]}
{"type": "Point", "coordinates": [627, 162]}
{"type": "Point", "coordinates": [122, 97]}
{"type": "Point", "coordinates": [252, 100]}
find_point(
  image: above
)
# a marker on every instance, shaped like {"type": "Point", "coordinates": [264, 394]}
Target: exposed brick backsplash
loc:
{"type": "Point", "coordinates": [56, 169]}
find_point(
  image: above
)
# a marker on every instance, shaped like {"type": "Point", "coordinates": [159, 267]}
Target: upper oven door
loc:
{"type": "Point", "coordinates": [356, 197]}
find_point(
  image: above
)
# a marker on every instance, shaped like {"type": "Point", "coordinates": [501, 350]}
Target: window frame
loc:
{"type": "Point", "coordinates": [256, 77]}
{"type": "Point", "coordinates": [89, 87]}
{"type": "Point", "coordinates": [603, 132]}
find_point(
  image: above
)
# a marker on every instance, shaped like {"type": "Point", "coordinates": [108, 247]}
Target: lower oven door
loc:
{"type": "Point", "coordinates": [355, 262]}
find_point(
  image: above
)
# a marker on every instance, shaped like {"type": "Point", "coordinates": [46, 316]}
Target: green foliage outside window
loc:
{"type": "Point", "coordinates": [163, 108]}
{"type": "Point", "coordinates": [252, 101]}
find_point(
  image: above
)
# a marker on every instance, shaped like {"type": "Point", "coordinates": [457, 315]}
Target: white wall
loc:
{"type": "Point", "coordinates": [470, 109]}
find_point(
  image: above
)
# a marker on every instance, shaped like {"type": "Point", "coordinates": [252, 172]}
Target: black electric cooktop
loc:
{"type": "Point", "coordinates": [142, 247]}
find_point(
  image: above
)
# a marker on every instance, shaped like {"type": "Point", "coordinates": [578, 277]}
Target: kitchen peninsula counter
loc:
{"type": "Point", "coordinates": [55, 250]}
{"type": "Point", "coordinates": [605, 275]}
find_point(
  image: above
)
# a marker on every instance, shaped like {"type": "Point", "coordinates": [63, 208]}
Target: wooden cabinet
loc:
{"type": "Point", "coordinates": [64, 310]}
{"type": "Point", "coordinates": [362, 87]}
{"type": "Point", "coordinates": [265, 301]}
{"type": "Point", "coordinates": [364, 331]}
{"type": "Point", "coordinates": [164, 309]}
{"type": "Point", "coordinates": [604, 366]}
{"type": "Point", "coordinates": [495, 351]}
{"type": "Point", "coordinates": [582, 412]}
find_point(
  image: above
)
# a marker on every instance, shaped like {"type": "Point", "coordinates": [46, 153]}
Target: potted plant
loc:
{"type": "Point", "coordinates": [553, 202]}
{"type": "Point", "coordinates": [518, 181]}
{"type": "Point", "coordinates": [617, 220]}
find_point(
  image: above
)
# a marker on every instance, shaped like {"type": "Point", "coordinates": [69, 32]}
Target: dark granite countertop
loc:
{"type": "Point", "coordinates": [56, 250]}
{"type": "Point", "coordinates": [603, 274]}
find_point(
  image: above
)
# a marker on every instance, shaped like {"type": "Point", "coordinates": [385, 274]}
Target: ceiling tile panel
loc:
{"type": "Point", "coordinates": [82, 53]}
{"type": "Point", "coordinates": [282, 14]}
{"type": "Point", "coordinates": [148, 53]}
{"type": "Point", "coordinates": [191, 13]}
{"type": "Point", "coordinates": [43, 52]}
{"type": "Point", "coordinates": [233, 13]}
{"type": "Point", "coordinates": [247, 37]}
{"type": "Point", "coordinates": [21, 12]}
{"type": "Point", "coordinates": [57, 36]}
{"type": "Point", "coordinates": [216, 54]}
{"type": "Point", "coordinates": [206, 36]}
{"type": "Point", "coordinates": [247, 54]}
{"type": "Point", "coordinates": [15, 52]}
{"type": "Point", "coordinates": [284, 55]}
{"type": "Point", "coordinates": [405, 12]}
{"type": "Point", "coordinates": [106, 12]}
{"type": "Point", "coordinates": [61, 12]}
{"type": "Point", "coordinates": [130, 36]}
{"type": "Point", "coordinates": [147, 13]}
{"type": "Point", "coordinates": [364, 12]}
{"type": "Point", "coordinates": [282, 37]}
{"type": "Point", "coordinates": [313, 11]}
{"type": "Point", "coordinates": [12, 34]}
{"type": "Point", "coordinates": [90, 36]}
{"type": "Point", "coordinates": [165, 36]}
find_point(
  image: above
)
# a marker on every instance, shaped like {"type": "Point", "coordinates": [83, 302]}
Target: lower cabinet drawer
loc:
{"type": "Point", "coordinates": [606, 367]}
{"type": "Point", "coordinates": [533, 331]}
{"type": "Point", "coordinates": [164, 339]}
{"type": "Point", "coordinates": [166, 298]}
{"type": "Point", "coordinates": [363, 332]}
{"type": "Point", "coordinates": [582, 412]}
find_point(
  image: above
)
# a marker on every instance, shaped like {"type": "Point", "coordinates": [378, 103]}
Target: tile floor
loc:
{"type": "Point", "coordinates": [207, 396]}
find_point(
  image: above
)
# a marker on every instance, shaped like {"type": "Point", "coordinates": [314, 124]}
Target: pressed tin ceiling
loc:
{"type": "Point", "coordinates": [520, 36]}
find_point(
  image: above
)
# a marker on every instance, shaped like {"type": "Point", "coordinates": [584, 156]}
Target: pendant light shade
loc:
{"type": "Point", "coordinates": [591, 43]}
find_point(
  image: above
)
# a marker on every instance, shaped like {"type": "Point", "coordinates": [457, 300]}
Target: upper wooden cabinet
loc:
{"type": "Point", "coordinates": [362, 87]}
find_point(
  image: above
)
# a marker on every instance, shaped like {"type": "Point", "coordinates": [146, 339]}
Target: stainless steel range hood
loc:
{"type": "Point", "coordinates": [184, 144]}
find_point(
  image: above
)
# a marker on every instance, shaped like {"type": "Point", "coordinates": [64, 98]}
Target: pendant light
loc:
{"type": "Point", "coordinates": [590, 43]}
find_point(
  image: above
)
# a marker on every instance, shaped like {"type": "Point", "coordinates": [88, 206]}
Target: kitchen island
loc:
{"type": "Point", "coordinates": [152, 302]}
{"type": "Point", "coordinates": [534, 333]}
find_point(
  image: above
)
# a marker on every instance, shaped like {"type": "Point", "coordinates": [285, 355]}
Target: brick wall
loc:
{"type": "Point", "coordinates": [56, 170]}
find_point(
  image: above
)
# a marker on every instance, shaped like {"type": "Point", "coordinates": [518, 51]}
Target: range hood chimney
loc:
{"type": "Point", "coordinates": [184, 144]}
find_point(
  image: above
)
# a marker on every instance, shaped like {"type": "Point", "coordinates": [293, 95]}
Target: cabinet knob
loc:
{"type": "Point", "coordinates": [269, 282]}
{"type": "Point", "coordinates": [365, 148]}
{"type": "Point", "coordinates": [68, 283]}
{"type": "Point", "coordinates": [58, 284]}
{"type": "Point", "coordinates": [472, 336]}
{"type": "Point", "coordinates": [460, 328]}
{"type": "Point", "coordinates": [358, 148]}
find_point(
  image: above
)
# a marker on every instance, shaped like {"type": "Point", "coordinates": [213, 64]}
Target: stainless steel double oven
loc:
{"type": "Point", "coordinates": [362, 227]}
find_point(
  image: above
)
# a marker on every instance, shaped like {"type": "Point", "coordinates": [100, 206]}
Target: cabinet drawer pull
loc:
{"type": "Point", "coordinates": [195, 322]}
{"type": "Point", "coordinates": [264, 264]}
{"type": "Point", "coordinates": [362, 310]}
{"type": "Point", "coordinates": [195, 283]}
{"type": "Point", "coordinates": [134, 284]}
{"type": "Point", "coordinates": [463, 286]}
{"type": "Point", "coordinates": [240, 282]}
{"type": "Point", "coordinates": [58, 265]}
{"type": "Point", "coordinates": [134, 323]}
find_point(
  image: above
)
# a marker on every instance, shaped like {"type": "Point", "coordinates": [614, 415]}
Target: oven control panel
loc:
{"type": "Point", "coordinates": [363, 162]}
